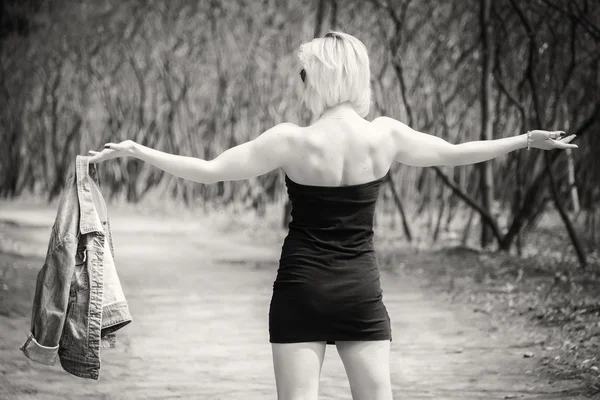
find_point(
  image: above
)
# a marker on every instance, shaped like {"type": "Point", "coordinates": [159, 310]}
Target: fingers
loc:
{"type": "Point", "coordinates": [555, 134]}
{"type": "Point", "coordinates": [565, 145]}
{"type": "Point", "coordinates": [567, 139]}
{"type": "Point", "coordinates": [98, 156]}
{"type": "Point", "coordinates": [569, 146]}
{"type": "Point", "coordinates": [95, 156]}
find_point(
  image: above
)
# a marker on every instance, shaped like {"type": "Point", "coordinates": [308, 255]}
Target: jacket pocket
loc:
{"type": "Point", "coordinates": [80, 280]}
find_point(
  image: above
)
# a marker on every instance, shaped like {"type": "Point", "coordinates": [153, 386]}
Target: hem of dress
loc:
{"type": "Point", "coordinates": [331, 341]}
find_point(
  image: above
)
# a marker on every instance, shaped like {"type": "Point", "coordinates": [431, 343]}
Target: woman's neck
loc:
{"type": "Point", "coordinates": [343, 110]}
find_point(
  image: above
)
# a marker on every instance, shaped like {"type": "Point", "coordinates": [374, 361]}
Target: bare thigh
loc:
{"type": "Point", "coordinates": [298, 369]}
{"type": "Point", "coordinates": [367, 365]}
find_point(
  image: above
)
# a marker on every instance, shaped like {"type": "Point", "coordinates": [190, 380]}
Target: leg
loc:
{"type": "Point", "coordinates": [367, 365]}
{"type": "Point", "coordinates": [298, 369]}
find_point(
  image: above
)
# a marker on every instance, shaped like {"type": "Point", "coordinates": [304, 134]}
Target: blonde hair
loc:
{"type": "Point", "coordinates": [337, 71]}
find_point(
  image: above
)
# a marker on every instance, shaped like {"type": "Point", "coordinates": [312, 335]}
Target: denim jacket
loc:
{"type": "Point", "coordinates": [78, 302]}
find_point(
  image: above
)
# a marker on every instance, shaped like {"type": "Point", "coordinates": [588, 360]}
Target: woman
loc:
{"type": "Point", "coordinates": [327, 289]}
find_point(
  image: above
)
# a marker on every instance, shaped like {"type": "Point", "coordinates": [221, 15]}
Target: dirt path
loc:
{"type": "Point", "coordinates": [200, 299]}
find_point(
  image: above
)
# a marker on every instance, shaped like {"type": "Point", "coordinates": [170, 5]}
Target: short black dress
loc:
{"type": "Point", "coordinates": [327, 286]}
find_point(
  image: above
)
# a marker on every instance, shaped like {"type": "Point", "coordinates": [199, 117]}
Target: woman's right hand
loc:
{"type": "Point", "coordinates": [113, 150]}
{"type": "Point", "coordinates": [548, 140]}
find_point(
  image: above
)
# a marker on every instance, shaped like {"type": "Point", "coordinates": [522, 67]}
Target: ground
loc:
{"type": "Point", "coordinates": [199, 297]}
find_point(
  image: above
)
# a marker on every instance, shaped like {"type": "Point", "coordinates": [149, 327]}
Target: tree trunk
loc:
{"type": "Point", "coordinates": [575, 207]}
{"type": "Point", "coordinates": [486, 176]}
{"type": "Point", "coordinates": [467, 231]}
{"type": "Point", "coordinates": [319, 17]}
{"type": "Point", "coordinates": [398, 201]}
{"type": "Point", "coordinates": [442, 208]}
{"type": "Point", "coordinates": [561, 210]}
{"type": "Point", "coordinates": [333, 15]}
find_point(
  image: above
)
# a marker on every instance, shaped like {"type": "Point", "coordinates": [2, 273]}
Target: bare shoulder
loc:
{"type": "Point", "coordinates": [412, 147]}
{"type": "Point", "coordinates": [285, 128]}
{"type": "Point", "coordinates": [278, 142]}
{"type": "Point", "coordinates": [394, 132]}
{"type": "Point", "coordinates": [391, 126]}
{"type": "Point", "coordinates": [281, 133]}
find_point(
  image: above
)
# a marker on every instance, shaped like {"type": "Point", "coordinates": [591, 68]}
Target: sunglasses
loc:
{"type": "Point", "coordinates": [303, 75]}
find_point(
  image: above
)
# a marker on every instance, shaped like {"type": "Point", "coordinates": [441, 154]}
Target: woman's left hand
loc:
{"type": "Point", "coordinates": [113, 150]}
{"type": "Point", "coordinates": [548, 140]}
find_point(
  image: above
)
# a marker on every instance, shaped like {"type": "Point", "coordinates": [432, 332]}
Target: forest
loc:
{"type": "Point", "coordinates": [197, 77]}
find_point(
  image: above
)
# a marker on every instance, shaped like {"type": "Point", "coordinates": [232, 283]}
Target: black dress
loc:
{"type": "Point", "coordinates": [327, 286]}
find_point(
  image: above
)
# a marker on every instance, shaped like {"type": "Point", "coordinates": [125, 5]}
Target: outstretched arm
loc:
{"type": "Point", "coordinates": [256, 157]}
{"type": "Point", "coordinates": [424, 150]}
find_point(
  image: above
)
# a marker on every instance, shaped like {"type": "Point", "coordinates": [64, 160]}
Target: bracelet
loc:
{"type": "Point", "coordinates": [528, 140]}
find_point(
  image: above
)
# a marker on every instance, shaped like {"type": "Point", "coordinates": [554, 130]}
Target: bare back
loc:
{"type": "Point", "coordinates": [340, 152]}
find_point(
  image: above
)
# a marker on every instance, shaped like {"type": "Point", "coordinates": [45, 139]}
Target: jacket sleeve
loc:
{"type": "Point", "coordinates": [51, 300]}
